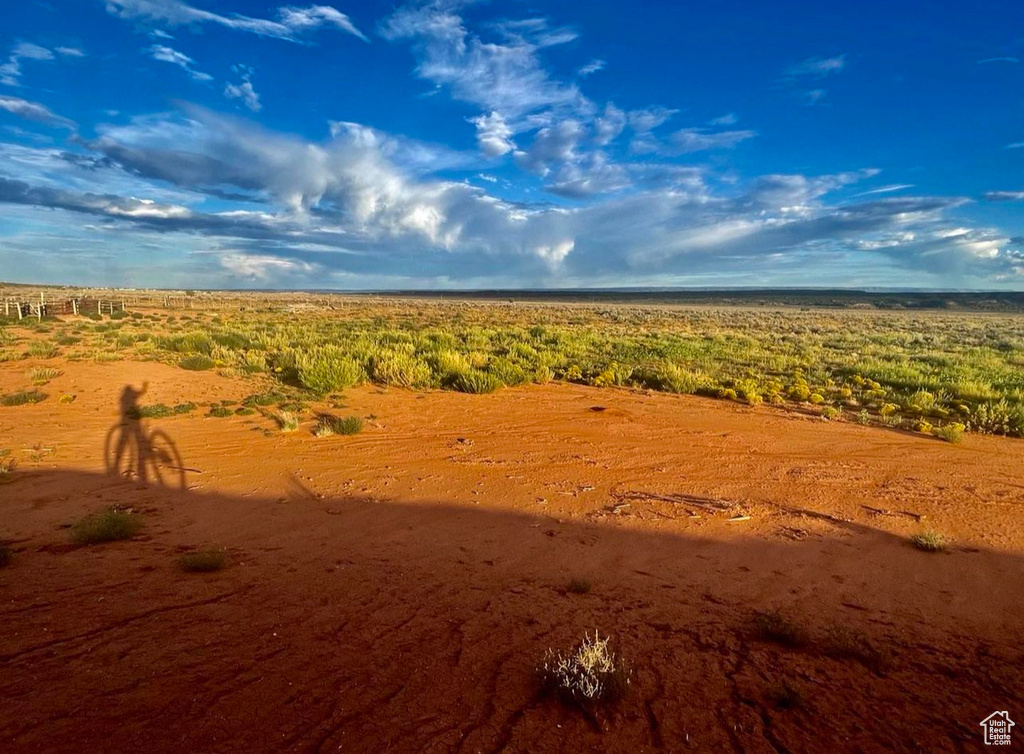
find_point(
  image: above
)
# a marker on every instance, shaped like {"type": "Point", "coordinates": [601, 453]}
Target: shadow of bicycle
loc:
{"type": "Point", "coordinates": [130, 452]}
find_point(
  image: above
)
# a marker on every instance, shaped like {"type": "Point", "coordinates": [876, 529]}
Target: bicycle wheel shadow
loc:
{"type": "Point", "coordinates": [131, 452]}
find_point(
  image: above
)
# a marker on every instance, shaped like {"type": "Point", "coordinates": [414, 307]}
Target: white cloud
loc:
{"type": "Point", "coordinates": [70, 52]}
{"type": "Point", "coordinates": [244, 91]}
{"type": "Point", "coordinates": [1004, 196]}
{"type": "Point", "coordinates": [261, 267]}
{"type": "Point", "coordinates": [10, 72]}
{"type": "Point", "coordinates": [180, 59]}
{"type": "Point", "coordinates": [887, 189]}
{"type": "Point", "coordinates": [690, 140]}
{"type": "Point", "coordinates": [505, 77]}
{"type": "Point", "coordinates": [814, 96]}
{"type": "Point", "coordinates": [592, 67]}
{"type": "Point", "coordinates": [34, 111]}
{"type": "Point", "coordinates": [493, 134]}
{"type": "Point", "coordinates": [609, 125]}
{"type": "Point", "coordinates": [817, 67]}
{"type": "Point", "coordinates": [291, 22]}
{"type": "Point", "coordinates": [551, 146]}
{"type": "Point", "coordinates": [729, 119]}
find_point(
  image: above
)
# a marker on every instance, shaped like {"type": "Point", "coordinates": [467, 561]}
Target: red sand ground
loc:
{"type": "Point", "coordinates": [393, 591]}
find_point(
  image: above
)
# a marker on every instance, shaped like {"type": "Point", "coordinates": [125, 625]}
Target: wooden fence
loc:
{"type": "Point", "coordinates": [44, 308]}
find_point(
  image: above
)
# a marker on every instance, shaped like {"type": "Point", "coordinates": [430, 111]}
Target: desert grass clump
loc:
{"type": "Point", "coordinates": [588, 674]}
{"type": "Point", "coordinates": [42, 375]}
{"type": "Point", "coordinates": [474, 381]}
{"type": "Point", "coordinates": [22, 397]}
{"type": "Point", "coordinates": [929, 541]}
{"type": "Point", "coordinates": [579, 586]}
{"type": "Point", "coordinates": [328, 425]}
{"type": "Point", "coordinates": [203, 561]}
{"type": "Point", "coordinates": [221, 412]}
{"type": "Point", "coordinates": [162, 410]}
{"type": "Point", "coordinates": [953, 432]}
{"type": "Point", "coordinates": [197, 363]}
{"type": "Point", "coordinates": [43, 349]}
{"type": "Point", "coordinates": [109, 526]}
{"type": "Point", "coordinates": [7, 466]}
{"type": "Point", "coordinates": [771, 625]}
{"type": "Point", "coordinates": [286, 421]}
{"type": "Point", "coordinates": [845, 642]}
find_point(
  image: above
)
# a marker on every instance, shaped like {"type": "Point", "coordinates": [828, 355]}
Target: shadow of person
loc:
{"type": "Point", "coordinates": [129, 451]}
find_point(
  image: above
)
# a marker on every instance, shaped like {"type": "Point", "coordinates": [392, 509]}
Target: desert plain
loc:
{"type": "Point", "coordinates": [773, 572]}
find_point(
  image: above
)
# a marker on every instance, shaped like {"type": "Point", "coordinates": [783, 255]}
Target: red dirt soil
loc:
{"type": "Point", "coordinates": [394, 591]}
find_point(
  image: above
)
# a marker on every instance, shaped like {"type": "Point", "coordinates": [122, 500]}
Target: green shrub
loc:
{"type": "Point", "coordinates": [328, 424]}
{"type": "Point", "coordinates": [507, 372]}
{"type": "Point", "coordinates": [203, 561]}
{"type": "Point", "coordinates": [929, 541]}
{"type": "Point", "coordinates": [326, 369]}
{"type": "Point", "coordinates": [399, 370]}
{"type": "Point", "coordinates": [197, 363]}
{"type": "Point", "coordinates": [953, 433]}
{"type": "Point", "coordinates": [42, 349]}
{"type": "Point", "coordinates": [474, 381]}
{"type": "Point", "coordinates": [220, 412]}
{"type": "Point", "coordinates": [22, 397]}
{"type": "Point", "coordinates": [672, 378]}
{"type": "Point", "coordinates": [108, 526]}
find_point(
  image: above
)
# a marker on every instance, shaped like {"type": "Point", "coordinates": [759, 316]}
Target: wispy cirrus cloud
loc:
{"type": "Point", "coordinates": [690, 140]}
{"type": "Point", "coordinates": [800, 75]}
{"type": "Point", "coordinates": [503, 76]}
{"type": "Point", "coordinates": [817, 68]}
{"type": "Point", "coordinates": [886, 189]}
{"type": "Point", "coordinates": [592, 67]}
{"type": "Point", "coordinates": [10, 72]}
{"type": "Point", "coordinates": [168, 55]}
{"type": "Point", "coordinates": [1004, 59]}
{"type": "Point", "coordinates": [291, 22]}
{"type": "Point", "coordinates": [35, 112]}
{"type": "Point", "coordinates": [1004, 196]}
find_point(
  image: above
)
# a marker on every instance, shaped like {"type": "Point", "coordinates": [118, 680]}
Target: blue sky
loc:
{"type": "Point", "coordinates": [222, 143]}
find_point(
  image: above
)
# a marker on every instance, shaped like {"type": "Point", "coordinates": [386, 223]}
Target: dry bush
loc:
{"type": "Point", "coordinates": [771, 625]}
{"type": "Point", "coordinates": [929, 541]}
{"type": "Point", "coordinates": [587, 675]}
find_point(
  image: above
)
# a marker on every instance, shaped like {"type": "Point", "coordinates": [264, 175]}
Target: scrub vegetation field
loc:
{"type": "Point", "coordinates": [934, 372]}
{"type": "Point", "coordinates": [312, 523]}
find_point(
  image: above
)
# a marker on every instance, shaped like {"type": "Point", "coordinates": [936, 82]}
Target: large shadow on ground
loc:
{"type": "Point", "coordinates": [347, 624]}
